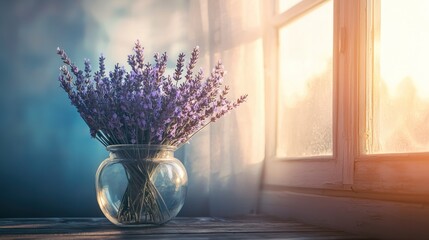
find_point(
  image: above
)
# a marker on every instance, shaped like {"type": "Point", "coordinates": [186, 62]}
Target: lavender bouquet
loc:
{"type": "Point", "coordinates": [144, 106]}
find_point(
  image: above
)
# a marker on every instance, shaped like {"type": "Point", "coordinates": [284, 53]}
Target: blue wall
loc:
{"type": "Point", "coordinates": [47, 160]}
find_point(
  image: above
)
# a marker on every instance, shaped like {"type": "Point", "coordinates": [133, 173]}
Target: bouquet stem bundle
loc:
{"type": "Point", "coordinates": [142, 201]}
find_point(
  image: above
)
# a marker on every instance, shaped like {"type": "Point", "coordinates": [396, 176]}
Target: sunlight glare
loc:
{"type": "Point", "coordinates": [401, 101]}
{"type": "Point", "coordinates": [403, 44]}
{"type": "Point", "coordinates": [305, 51]}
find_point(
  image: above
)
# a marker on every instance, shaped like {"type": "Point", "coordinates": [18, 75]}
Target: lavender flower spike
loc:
{"type": "Point", "coordinates": [143, 106]}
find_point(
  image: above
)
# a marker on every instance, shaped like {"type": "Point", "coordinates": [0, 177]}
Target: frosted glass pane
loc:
{"type": "Point", "coordinates": [304, 120]}
{"type": "Point", "coordinates": [401, 117]}
{"type": "Point", "coordinates": [284, 5]}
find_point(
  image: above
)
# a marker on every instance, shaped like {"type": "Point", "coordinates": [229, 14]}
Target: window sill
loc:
{"type": "Point", "coordinates": [353, 191]}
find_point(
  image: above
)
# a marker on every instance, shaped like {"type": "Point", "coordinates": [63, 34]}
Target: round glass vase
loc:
{"type": "Point", "coordinates": [140, 185]}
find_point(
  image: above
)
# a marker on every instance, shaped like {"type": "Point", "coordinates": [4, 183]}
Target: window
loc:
{"type": "Point", "coordinates": [401, 87]}
{"type": "Point", "coordinates": [300, 42]}
{"type": "Point", "coordinates": [305, 84]}
{"type": "Point", "coordinates": [366, 128]}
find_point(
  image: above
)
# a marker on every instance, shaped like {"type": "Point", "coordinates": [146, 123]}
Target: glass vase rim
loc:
{"type": "Point", "coordinates": [141, 146]}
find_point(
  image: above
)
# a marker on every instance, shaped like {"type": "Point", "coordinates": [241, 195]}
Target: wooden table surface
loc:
{"type": "Point", "coordinates": [250, 227]}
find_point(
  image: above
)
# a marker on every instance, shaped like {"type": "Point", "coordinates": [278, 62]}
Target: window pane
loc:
{"type": "Point", "coordinates": [304, 119]}
{"type": "Point", "coordinates": [401, 113]}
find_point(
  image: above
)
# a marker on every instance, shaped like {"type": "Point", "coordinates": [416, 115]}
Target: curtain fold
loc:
{"type": "Point", "coordinates": [225, 160]}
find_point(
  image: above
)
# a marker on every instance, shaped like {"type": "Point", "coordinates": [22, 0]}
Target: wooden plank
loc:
{"type": "Point", "coordinates": [251, 227]}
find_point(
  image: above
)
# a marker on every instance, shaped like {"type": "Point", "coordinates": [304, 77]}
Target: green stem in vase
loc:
{"type": "Point", "coordinates": [141, 200]}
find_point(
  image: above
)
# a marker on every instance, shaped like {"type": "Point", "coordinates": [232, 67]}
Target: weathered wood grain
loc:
{"type": "Point", "coordinates": [250, 227]}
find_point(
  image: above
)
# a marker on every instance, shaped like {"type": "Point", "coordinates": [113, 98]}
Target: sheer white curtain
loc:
{"type": "Point", "coordinates": [225, 160]}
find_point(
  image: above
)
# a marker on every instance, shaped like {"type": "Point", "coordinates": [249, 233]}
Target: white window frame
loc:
{"type": "Point", "coordinates": [392, 176]}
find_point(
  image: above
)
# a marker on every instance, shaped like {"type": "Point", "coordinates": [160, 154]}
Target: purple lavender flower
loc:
{"type": "Point", "coordinates": [143, 106]}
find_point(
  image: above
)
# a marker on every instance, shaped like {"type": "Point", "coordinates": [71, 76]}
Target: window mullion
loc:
{"type": "Point", "coordinates": [348, 28]}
